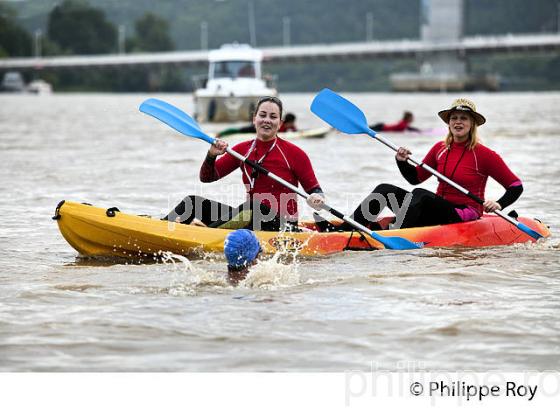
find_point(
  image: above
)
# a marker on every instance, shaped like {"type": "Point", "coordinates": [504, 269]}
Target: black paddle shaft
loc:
{"type": "Point", "coordinates": [264, 171]}
{"type": "Point", "coordinates": [256, 166]}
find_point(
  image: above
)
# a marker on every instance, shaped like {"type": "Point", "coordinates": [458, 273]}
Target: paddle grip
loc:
{"type": "Point", "coordinates": [256, 166]}
{"type": "Point", "coordinates": [334, 212]}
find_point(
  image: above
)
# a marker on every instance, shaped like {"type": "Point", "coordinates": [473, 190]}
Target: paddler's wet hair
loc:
{"type": "Point", "coordinates": [271, 99]}
{"type": "Point", "coordinates": [289, 117]}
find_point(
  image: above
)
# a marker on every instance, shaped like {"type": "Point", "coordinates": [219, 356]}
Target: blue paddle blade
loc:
{"type": "Point", "coordinates": [395, 242]}
{"type": "Point", "coordinates": [175, 118]}
{"type": "Point", "coordinates": [529, 231]}
{"type": "Point", "coordinates": [340, 113]}
{"type": "Point", "coordinates": [174, 110]}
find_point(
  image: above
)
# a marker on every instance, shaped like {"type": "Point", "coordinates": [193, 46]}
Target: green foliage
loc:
{"type": "Point", "coordinates": [152, 34]}
{"type": "Point", "coordinates": [488, 17]}
{"type": "Point", "coordinates": [14, 41]}
{"type": "Point", "coordinates": [319, 21]}
{"type": "Point", "coordinates": [524, 71]}
{"type": "Point", "coordinates": [86, 28]}
{"type": "Point", "coordinates": [370, 75]}
{"type": "Point", "coordinates": [80, 29]}
{"type": "Point", "coordinates": [76, 28]}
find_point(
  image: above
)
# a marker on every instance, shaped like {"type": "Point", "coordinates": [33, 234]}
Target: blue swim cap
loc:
{"type": "Point", "coordinates": [241, 247]}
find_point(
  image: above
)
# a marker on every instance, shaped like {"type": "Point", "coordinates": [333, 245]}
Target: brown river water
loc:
{"type": "Point", "coordinates": [479, 309]}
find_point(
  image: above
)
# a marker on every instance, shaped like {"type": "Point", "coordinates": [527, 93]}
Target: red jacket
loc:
{"type": "Point", "coordinates": [286, 160]}
{"type": "Point", "coordinates": [402, 125]}
{"type": "Point", "coordinates": [286, 128]}
{"type": "Point", "coordinates": [471, 171]}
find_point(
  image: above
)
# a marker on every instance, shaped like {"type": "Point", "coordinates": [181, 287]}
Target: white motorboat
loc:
{"type": "Point", "coordinates": [233, 85]}
{"type": "Point", "coordinates": [12, 82]}
{"type": "Point", "coordinates": [39, 87]}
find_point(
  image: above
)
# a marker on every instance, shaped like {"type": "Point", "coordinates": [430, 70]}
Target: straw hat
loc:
{"type": "Point", "coordinates": [462, 104]}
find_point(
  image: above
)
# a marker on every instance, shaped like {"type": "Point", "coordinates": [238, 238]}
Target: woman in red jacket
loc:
{"type": "Point", "coordinates": [273, 206]}
{"type": "Point", "coordinates": [461, 158]}
{"type": "Point", "coordinates": [401, 126]}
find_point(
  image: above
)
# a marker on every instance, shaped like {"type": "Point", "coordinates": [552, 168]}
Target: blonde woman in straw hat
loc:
{"type": "Point", "coordinates": [461, 158]}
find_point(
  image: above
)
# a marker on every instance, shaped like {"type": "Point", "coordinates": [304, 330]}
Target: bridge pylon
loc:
{"type": "Point", "coordinates": [442, 70]}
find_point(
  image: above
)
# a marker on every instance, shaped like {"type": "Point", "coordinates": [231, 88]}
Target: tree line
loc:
{"type": "Point", "coordinates": [76, 28]}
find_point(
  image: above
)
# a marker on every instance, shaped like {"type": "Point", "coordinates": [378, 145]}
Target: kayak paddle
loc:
{"type": "Point", "coordinates": [183, 123]}
{"type": "Point", "coordinates": [346, 117]}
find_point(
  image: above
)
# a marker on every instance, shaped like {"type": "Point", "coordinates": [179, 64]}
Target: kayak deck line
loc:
{"type": "Point", "coordinates": [90, 231]}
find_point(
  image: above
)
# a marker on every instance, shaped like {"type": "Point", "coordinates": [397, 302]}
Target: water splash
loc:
{"type": "Point", "coordinates": [189, 279]}
{"type": "Point", "coordinates": [550, 243]}
{"type": "Point", "coordinates": [281, 270]}
{"type": "Point", "coordinates": [272, 273]}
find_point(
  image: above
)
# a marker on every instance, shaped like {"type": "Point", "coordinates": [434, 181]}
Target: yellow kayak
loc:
{"type": "Point", "coordinates": [107, 232]}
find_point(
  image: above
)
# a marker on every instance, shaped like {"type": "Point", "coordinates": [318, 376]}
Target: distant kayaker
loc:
{"type": "Point", "coordinates": [273, 206]}
{"type": "Point", "coordinates": [241, 249]}
{"type": "Point", "coordinates": [401, 126]}
{"type": "Point", "coordinates": [247, 129]}
{"type": "Point", "coordinates": [462, 158]}
{"type": "Point", "coordinates": [289, 123]}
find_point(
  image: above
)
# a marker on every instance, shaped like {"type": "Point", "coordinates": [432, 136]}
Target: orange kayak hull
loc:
{"type": "Point", "coordinates": [93, 231]}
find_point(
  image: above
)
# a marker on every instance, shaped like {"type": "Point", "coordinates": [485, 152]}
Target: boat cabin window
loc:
{"type": "Point", "coordinates": [233, 69]}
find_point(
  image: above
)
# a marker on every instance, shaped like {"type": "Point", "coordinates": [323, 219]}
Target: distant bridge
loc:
{"type": "Point", "coordinates": [304, 53]}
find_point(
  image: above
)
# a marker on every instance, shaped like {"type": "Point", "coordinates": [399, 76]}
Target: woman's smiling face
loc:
{"type": "Point", "coordinates": [460, 124]}
{"type": "Point", "coordinates": [267, 120]}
